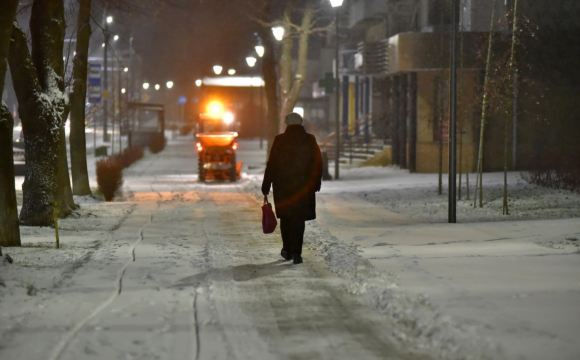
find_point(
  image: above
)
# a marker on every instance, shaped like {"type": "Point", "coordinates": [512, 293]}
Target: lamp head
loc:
{"type": "Point", "coordinates": [336, 3]}
{"type": "Point", "coordinates": [278, 32]}
{"type": "Point", "coordinates": [251, 61]}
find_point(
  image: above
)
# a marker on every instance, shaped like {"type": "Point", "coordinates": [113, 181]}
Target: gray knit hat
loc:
{"type": "Point", "coordinates": [293, 119]}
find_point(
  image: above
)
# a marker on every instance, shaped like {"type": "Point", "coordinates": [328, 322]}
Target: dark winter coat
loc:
{"type": "Point", "coordinates": [294, 170]}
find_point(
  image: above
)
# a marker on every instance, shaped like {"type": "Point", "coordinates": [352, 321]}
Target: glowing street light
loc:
{"type": "Point", "coordinates": [278, 32]}
{"type": "Point", "coordinates": [116, 37]}
{"type": "Point", "coordinates": [251, 61]}
{"type": "Point", "coordinates": [109, 19]}
{"type": "Point", "coordinates": [336, 3]}
{"type": "Point", "coordinates": [157, 86]}
{"type": "Point", "coordinates": [126, 69]}
{"type": "Point", "coordinates": [259, 50]}
{"type": "Point", "coordinates": [217, 69]}
{"type": "Point", "coordinates": [198, 82]}
{"type": "Point", "coordinates": [123, 91]}
{"type": "Point", "coordinates": [228, 118]}
{"type": "Point", "coordinates": [231, 72]}
{"type": "Point", "coordinates": [146, 85]}
{"type": "Point", "coordinates": [169, 84]}
{"type": "Point", "coordinates": [103, 45]}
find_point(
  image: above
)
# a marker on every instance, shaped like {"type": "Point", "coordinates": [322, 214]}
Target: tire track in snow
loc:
{"type": "Point", "coordinates": [63, 344]}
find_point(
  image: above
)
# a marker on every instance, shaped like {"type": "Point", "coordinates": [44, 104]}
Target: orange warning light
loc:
{"type": "Point", "coordinates": [215, 109]}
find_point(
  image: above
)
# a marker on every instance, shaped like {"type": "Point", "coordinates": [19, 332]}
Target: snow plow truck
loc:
{"type": "Point", "coordinates": [216, 145]}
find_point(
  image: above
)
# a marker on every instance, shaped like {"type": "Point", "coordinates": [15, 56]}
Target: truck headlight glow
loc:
{"type": "Point", "coordinates": [216, 109]}
{"type": "Point", "coordinates": [228, 118]}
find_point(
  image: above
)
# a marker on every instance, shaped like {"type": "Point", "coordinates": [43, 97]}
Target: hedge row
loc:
{"type": "Point", "coordinates": [110, 170]}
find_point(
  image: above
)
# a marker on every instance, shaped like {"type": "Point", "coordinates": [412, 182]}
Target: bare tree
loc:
{"type": "Point", "coordinates": [479, 176]}
{"type": "Point", "coordinates": [78, 146]}
{"type": "Point", "coordinates": [290, 85]}
{"type": "Point", "coordinates": [269, 72]}
{"type": "Point", "coordinates": [290, 82]}
{"type": "Point", "coordinates": [512, 78]}
{"type": "Point", "coordinates": [9, 231]}
{"type": "Point", "coordinates": [39, 86]}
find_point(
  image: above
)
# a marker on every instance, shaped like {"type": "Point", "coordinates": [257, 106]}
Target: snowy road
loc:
{"type": "Point", "coordinates": [181, 270]}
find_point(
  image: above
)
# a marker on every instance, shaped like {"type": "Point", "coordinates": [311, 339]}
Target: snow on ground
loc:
{"type": "Point", "coordinates": [490, 287]}
{"type": "Point", "coordinates": [510, 279]}
{"type": "Point", "coordinates": [422, 203]}
{"type": "Point", "coordinates": [40, 271]}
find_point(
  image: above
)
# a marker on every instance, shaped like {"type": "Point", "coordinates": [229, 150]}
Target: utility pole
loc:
{"type": "Point", "coordinates": [131, 92]}
{"type": "Point", "coordinates": [105, 77]}
{"type": "Point", "coordinates": [453, 114]}
{"type": "Point", "coordinates": [337, 100]}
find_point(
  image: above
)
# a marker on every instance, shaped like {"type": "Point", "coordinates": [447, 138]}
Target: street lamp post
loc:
{"type": "Point", "coordinates": [260, 51]}
{"type": "Point", "coordinates": [452, 209]}
{"type": "Point", "coordinates": [108, 20]}
{"type": "Point", "coordinates": [169, 86]}
{"type": "Point", "coordinates": [251, 63]}
{"type": "Point", "coordinates": [336, 4]}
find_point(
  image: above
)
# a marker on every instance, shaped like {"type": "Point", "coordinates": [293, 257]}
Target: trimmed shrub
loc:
{"type": "Point", "coordinates": [128, 156]}
{"type": "Point", "coordinates": [109, 177]}
{"type": "Point", "coordinates": [157, 143]}
{"type": "Point", "coordinates": [558, 170]}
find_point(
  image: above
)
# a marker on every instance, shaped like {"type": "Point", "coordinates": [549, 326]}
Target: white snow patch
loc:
{"type": "Point", "coordinates": [417, 323]}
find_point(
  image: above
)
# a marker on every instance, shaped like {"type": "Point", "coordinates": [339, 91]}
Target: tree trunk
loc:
{"type": "Point", "coordinates": [270, 78]}
{"type": "Point", "coordinates": [291, 87]}
{"type": "Point", "coordinates": [9, 231]}
{"type": "Point", "coordinates": [285, 66]}
{"type": "Point", "coordinates": [440, 116]}
{"type": "Point", "coordinates": [484, 111]}
{"type": "Point", "coordinates": [39, 86]}
{"type": "Point", "coordinates": [78, 144]}
{"type": "Point", "coordinates": [507, 120]}
{"type": "Point", "coordinates": [65, 199]}
{"type": "Point", "coordinates": [7, 12]}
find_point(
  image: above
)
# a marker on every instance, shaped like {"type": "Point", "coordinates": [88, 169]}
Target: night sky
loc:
{"type": "Point", "coordinates": [181, 42]}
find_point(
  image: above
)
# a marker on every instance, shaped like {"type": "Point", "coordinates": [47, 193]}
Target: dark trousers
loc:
{"type": "Point", "coordinates": [292, 230]}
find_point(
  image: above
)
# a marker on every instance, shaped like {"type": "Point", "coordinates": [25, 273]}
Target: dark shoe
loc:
{"type": "Point", "coordinates": [297, 259]}
{"type": "Point", "coordinates": [285, 255]}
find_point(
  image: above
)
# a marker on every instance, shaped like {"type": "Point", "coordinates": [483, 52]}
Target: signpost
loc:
{"type": "Point", "coordinates": [182, 100]}
{"type": "Point", "coordinates": [94, 93]}
{"type": "Point", "coordinates": [94, 88]}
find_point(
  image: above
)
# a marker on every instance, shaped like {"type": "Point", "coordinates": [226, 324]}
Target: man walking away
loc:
{"type": "Point", "coordinates": [294, 170]}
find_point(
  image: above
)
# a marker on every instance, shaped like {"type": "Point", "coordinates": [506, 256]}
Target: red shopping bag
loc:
{"type": "Point", "coordinates": [269, 221]}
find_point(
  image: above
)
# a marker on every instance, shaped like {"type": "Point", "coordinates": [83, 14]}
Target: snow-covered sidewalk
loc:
{"type": "Point", "coordinates": [512, 279]}
{"type": "Point", "coordinates": [178, 269]}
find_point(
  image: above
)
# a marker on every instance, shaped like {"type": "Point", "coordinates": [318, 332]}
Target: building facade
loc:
{"type": "Point", "coordinates": [394, 72]}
